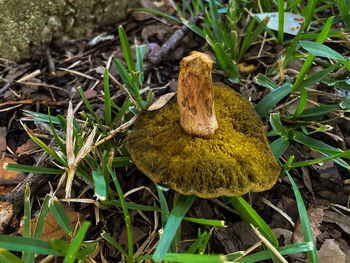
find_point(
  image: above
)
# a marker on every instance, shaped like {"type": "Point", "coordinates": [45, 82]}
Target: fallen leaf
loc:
{"type": "Point", "coordinates": [245, 233]}
{"type": "Point", "coordinates": [285, 233]}
{"type": "Point", "coordinates": [161, 101]}
{"type": "Point", "coordinates": [331, 253]}
{"type": "Point", "coordinates": [28, 146]}
{"type": "Point", "coordinates": [6, 189]}
{"type": "Point", "coordinates": [9, 177]}
{"type": "Point", "coordinates": [307, 180]}
{"type": "Point", "coordinates": [137, 235]}
{"type": "Point", "coordinates": [90, 94]}
{"type": "Point", "coordinates": [158, 31]}
{"type": "Point", "coordinates": [52, 229]}
{"type": "Point", "coordinates": [315, 217]}
{"type": "Point", "coordinates": [336, 218]}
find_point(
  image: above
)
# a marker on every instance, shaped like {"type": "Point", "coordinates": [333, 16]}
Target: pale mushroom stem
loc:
{"type": "Point", "coordinates": [195, 95]}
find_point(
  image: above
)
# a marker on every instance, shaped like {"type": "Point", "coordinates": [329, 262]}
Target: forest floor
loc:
{"type": "Point", "coordinates": [51, 78]}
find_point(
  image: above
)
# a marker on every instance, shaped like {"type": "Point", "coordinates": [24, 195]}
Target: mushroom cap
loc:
{"type": "Point", "coordinates": [234, 161]}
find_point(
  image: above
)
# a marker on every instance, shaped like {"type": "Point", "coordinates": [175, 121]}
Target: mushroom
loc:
{"type": "Point", "coordinates": [198, 149]}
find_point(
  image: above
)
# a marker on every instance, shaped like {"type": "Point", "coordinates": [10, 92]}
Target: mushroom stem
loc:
{"type": "Point", "coordinates": [195, 95]}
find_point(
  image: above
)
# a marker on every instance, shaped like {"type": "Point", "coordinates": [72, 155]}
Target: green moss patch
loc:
{"type": "Point", "coordinates": [236, 160]}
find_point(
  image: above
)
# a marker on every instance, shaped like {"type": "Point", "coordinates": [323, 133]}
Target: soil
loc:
{"type": "Point", "coordinates": [58, 72]}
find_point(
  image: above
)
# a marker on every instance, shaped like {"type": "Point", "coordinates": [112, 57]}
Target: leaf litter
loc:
{"type": "Point", "coordinates": [78, 66]}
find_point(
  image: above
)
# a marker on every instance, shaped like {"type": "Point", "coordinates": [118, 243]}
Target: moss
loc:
{"type": "Point", "coordinates": [236, 160]}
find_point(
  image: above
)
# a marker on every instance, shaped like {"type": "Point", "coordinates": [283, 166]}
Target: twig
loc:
{"type": "Point", "coordinates": [171, 44]}
{"type": "Point", "coordinates": [269, 245]}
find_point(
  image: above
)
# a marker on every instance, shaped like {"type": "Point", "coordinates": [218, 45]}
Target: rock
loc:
{"type": "Point", "coordinates": [32, 24]}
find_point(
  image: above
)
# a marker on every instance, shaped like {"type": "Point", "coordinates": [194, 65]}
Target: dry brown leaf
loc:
{"type": "Point", "coordinates": [28, 146]}
{"type": "Point", "coordinates": [340, 219]}
{"type": "Point", "coordinates": [137, 234]}
{"type": "Point", "coordinates": [52, 229]}
{"type": "Point", "coordinates": [8, 177]}
{"type": "Point", "coordinates": [159, 31]}
{"type": "Point", "coordinates": [307, 180]}
{"type": "Point", "coordinates": [285, 233]}
{"type": "Point", "coordinates": [6, 189]}
{"type": "Point", "coordinates": [90, 94]}
{"type": "Point", "coordinates": [315, 217]}
{"type": "Point", "coordinates": [331, 253]}
{"type": "Point", "coordinates": [161, 101]}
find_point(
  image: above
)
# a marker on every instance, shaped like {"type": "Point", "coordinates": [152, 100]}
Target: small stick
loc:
{"type": "Point", "coordinates": [171, 43]}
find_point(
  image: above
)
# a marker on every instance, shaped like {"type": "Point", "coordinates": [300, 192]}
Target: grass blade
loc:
{"type": "Point", "coordinates": [302, 103]}
{"type": "Point", "coordinates": [60, 215]}
{"type": "Point", "coordinates": [36, 116]}
{"type": "Point", "coordinates": [140, 53]}
{"type": "Point", "coordinates": [315, 77]}
{"type": "Point", "coordinates": [249, 215]}
{"type": "Point", "coordinates": [126, 215]}
{"type": "Point", "coordinates": [157, 12]}
{"type": "Point", "coordinates": [308, 13]}
{"type": "Point", "coordinates": [58, 140]}
{"type": "Point", "coordinates": [215, 18]}
{"type": "Point", "coordinates": [285, 250]}
{"type": "Point", "coordinates": [27, 257]}
{"type": "Point", "coordinates": [277, 125]}
{"type": "Point", "coordinates": [76, 243]}
{"type": "Point", "coordinates": [310, 58]}
{"type": "Point", "coordinates": [280, 21]}
{"type": "Point", "coordinates": [126, 49]}
{"type": "Point", "coordinates": [163, 205]}
{"type": "Point", "coordinates": [305, 223]}
{"type": "Point", "coordinates": [110, 240]}
{"type": "Point", "coordinates": [92, 112]}
{"type": "Point", "coordinates": [319, 111]}
{"type": "Point", "coordinates": [7, 257]}
{"type": "Point", "coordinates": [23, 244]}
{"type": "Point", "coordinates": [320, 50]}
{"type": "Point", "coordinates": [344, 8]}
{"type": "Point", "coordinates": [315, 144]}
{"type": "Point", "coordinates": [266, 82]}
{"type": "Point", "coordinates": [208, 222]}
{"type": "Point", "coordinates": [181, 207]}
{"type": "Point", "coordinates": [108, 114]}
{"type": "Point", "coordinates": [193, 27]}
{"type": "Point", "coordinates": [42, 145]}
{"type": "Point", "coordinates": [271, 99]}
{"type": "Point", "coordinates": [335, 157]}
{"type": "Point", "coordinates": [101, 187]}
{"type": "Point", "coordinates": [32, 169]}
{"type": "Point", "coordinates": [41, 219]}
{"type": "Point", "coordinates": [188, 258]}
{"type": "Point", "coordinates": [279, 146]}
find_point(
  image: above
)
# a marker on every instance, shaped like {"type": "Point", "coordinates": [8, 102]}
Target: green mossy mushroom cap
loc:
{"type": "Point", "coordinates": [237, 159]}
